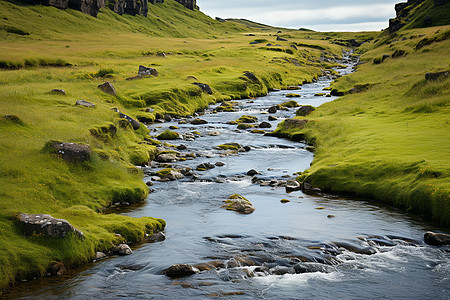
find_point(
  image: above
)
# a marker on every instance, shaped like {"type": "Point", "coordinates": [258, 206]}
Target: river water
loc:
{"type": "Point", "coordinates": [306, 237]}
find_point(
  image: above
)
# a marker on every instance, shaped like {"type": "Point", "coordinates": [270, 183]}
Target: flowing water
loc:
{"type": "Point", "coordinates": [296, 250]}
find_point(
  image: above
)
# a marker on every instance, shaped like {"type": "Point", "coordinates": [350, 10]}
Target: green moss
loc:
{"type": "Point", "coordinates": [245, 126]}
{"type": "Point", "coordinates": [291, 95]}
{"type": "Point", "coordinates": [290, 104]}
{"type": "Point", "coordinates": [230, 146]}
{"type": "Point", "coordinates": [247, 119]}
{"type": "Point", "coordinates": [169, 135]}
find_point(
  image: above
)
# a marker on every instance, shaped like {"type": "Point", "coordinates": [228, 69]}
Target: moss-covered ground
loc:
{"type": "Point", "coordinates": [391, 141]}
{"type": "Point", "coordinates": [43, 48]}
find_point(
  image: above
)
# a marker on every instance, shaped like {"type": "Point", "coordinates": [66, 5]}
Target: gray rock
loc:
{"type": "Point", "coordinates": [239, 204]}
{"type": "Point", "coordinates": [46, 225]}
{"type": "Point", "coordinates": [58, 92]}
{"type": "Point", "coordinates": [199, 122]}
{"type": "Point", "coordinates": [437, 75]}
{"type": "Point", "coordinates": [204, 87]}
{"type": "Point", "coordinates": [207, 166]}
{"type": "Point", "coordinates": [272, 118]}
{"type": "Point", "coordinates": [157, 237]}
{"type": "Point", "coordinates": [437, 239]}
{"type": "Point", "coordinates": [253, 172]}
{"type": "Point", "coordinates": [122, 249]}
{"type": "Point", "coordinates": [135, 124]}
{"type": "Point", "coordinates": [272, 110]}
{"type": "Point", "coordinates": [281, 270]}
{"type": "Point", "coordinates": [144, 71]}
{"type": "Point", "coordinates": [99, 255]}
{"type": "Point", "coordinates": [180, 270]}
{"type": "Point", "coordinates": [293, 185]}
{"type": "Point", "coordinates": [181, 147]}
{"type": "Point", "coordinates": [166, 157]}
{"type": "Point", "coordinates": [85, 103]}
{"type": "Point", "coordinates": [69, 151]}
{"type": "Point", "coordinates": [308, 267]}
{"type": "Point", "coordinates": [174, 175]}
{"type": "Point", "coordinates": [265, 125]}
{"type": "Point", "coordinates": [107, 88]}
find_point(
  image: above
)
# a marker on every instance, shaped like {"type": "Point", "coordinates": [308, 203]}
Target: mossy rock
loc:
{"type": "Point", "coordinates": [239, 204]}
{"type": "Point", "coordinates": [247, 119]}
{"type": "Point", "coordinates": [285, 201]}
{"type": "Point", "coordinates": [291, 103]}
{"type": "Point", "coordinates": [258, 131]}
{"type": "Point", "coordinates": [292, 95]}
{"type": "Point", "coordinates": [164, 172]}
{"type": "Point", "coordinates": [104, 132]}
{"type": "Point", "coordinates": [169, 135]}
{"type": "Point", "coordinates": [319, 94]}
{"type": "Point", "coordinates": [245, 126]}
{"type": "Point", "coordinates": [229, 146]}
{"type": "Point", "coordinates": [11, 119]}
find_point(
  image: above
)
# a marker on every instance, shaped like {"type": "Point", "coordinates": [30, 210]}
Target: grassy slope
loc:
{"type": "Point", "coordinates": [35, 182]}
{"type": "Point", "coordinates": [392, 142]}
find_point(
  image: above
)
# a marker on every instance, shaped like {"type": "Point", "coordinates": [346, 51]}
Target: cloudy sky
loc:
{"type": "Point", "coordinates": [320, 15]}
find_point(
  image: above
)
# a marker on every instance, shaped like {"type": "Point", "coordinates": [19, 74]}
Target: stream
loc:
{"type": "Point", "coordinates": [301, 249]}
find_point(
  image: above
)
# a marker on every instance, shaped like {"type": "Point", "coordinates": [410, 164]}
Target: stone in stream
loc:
{"type": "Point", "coordinates": [273, 110]}
{"type": "Point", "coordinates": [272, 118]}
{"type": "Point", "coordinates": [239, 204]}
{"type": "Point", "coordinates": [355, 249]}
{"type": "Point", "coordinates": [122, 249]}
{"type": "Point", "coordinates": [157, 237]}
{"type": "Point", "coordinates": [180, 270]}
{"type": "Point", "coordinates": [293, 185]}
{"type": "Point", "coordinates": [99, 255]}
{"type": "Point", "coordinates": [436, 239]}
{"type": "Point", "coordinates": [46, 225]}
{"type": "Point", "coordinates": [265, 125]}
{"type": "Point", "coordinates": [199, 122]}
{"type": "Point", "coordinates": [206, 166]}
{"type": "Point", "coordinates": [281, 270]}
{"type": "Point", "coordinates": [166, 157]}
{"type": "Point", "coordinates": [253, 172]}
{"type": "Point", "coordinates": [309, 267]}
{"type": "Point", "coordinates": [219, 164]}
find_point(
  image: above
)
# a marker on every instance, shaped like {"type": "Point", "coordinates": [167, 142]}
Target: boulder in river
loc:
{"type": "Point", "coordinates": [247, 119]}
{"type": "Point", "coordinates": [199, 122]}
{"type": "Point", "coordinates": [166, 157]}
{"type": "Point", "coordinates": [122, 249]}
{"type": "Point", "coordinates": [180, 270]}
{"type": "Point", "coordinates": [272, 110]}
{"type": "Point", "coordinates": [239, 204]}
{"type": "Point", "coordinates": [253, 172]}
{"type": "Point", "coordinates": [305, 110]}
{"type": "Point", "coordinates": [157, 237]}
{"type": "Point", "coordinates": [293, 185]}
{"type": "Point", "coordinates": [436, 239]}
{"type": "Point", "coordinates": [265, 125]}
{"type": "Point", "coordinates": [169, 135]}
{"type": "Point", "coordinates": [46, 225]}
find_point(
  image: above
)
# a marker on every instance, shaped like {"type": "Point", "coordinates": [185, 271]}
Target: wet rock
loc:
{"type": "Point", "coordinates": [239, 204]}
{"type": "Point", "coordinates": [301, 268]}
{"type": "Point", "coordinates": [204, 87]}
{"type": "Point", "coordinates": [180, 270]}
{"type": "Point", "coordinates": [46, 225]}
{"type": "Point", "coordinates": [273, 110]}
{"type": "Point", "coordinates": [167, 118]}
{"type": "Point", "coordinates": [214, 133]}
{"type": "Point", "coordinates": [157, 237]}
{"type": "Point", "coordinates": [144, 71]}
{"type": "Point", "coordinates": [85, 103]}
{"type": "Point", "coordinates": [58, 92]}
{"type": "Point", "coordinates": [99, 255]}
{"type": "Point", "coordinates": [272, 118]}
{"type": "Point", "coordinates": [122, 249]}
{"type": "Point", "coordinates": [265, 125]}
{"type": "Point", "coordinates": [169, 135]}
{"type": "Point", "coordinates": [199, 122]}
{"type": "Point", "coordinates": [212, 265]}
{"type": "Point", "coordinates": [166, 158]}
{"type": "Point", "coordinates": [181, 147]}
{"type": "Point", "coordinates": [161, 54]}
{"type": "Point", "coordinates": [69, 152]}
{"type": "Point", "coordinates": [253, 172]}
{"type": "Point", "coordinates": [281, 270]}
{"type": "Point", "coordinates": [186, 171]}
{"type": "Point", "coordinates": [355, 249]}
{"type": "Point", "coordinates": [293, 185]}
{"type": "Point", "coordinates": [107, 88]}
{"type": "Point", "coordinates": [206, 166]}
{"type": "Point", "coordinates": [247, 148]}
{"type": "Point", "coordinates": [436, 239]}
{"type": "Point", "coordinates": [219, 164]}
{"type": "Point", "coordinates": [57, 269]}
{"type": "Point", "coordinates": [240, 261]}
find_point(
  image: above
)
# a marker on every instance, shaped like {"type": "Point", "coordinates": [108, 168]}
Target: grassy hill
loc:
{"type": "Point", "coordinates": [388, 139]}
{"type": "Point", "coordinates": [43, 48]}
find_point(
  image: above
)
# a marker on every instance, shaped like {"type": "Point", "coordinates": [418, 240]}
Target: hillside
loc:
{"type": "Point", "coordinates": [45, 48]}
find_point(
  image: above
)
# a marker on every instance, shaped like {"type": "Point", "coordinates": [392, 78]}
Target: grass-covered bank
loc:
{"type": "Point", "coordinates": [390, 140]}
{"type": "Point", "coordinates": [43, 48]}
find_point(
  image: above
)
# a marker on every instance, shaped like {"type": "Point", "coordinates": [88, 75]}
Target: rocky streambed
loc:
{"type": "Point", "coordinates": [240, 226]}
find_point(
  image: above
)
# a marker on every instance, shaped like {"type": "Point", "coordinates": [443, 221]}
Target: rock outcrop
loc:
{"type": "Point", "coordinates": [46, 225]}
{"type": "Point", "coordinates": [92, 7]}
{"type": "Point", "coordinates": [69, 151]}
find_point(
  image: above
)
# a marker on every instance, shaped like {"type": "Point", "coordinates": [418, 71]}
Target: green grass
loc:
{"type": "Point", "coordinates": [390, 142]}
{"type": "Point", "coordinates": [43, 48]}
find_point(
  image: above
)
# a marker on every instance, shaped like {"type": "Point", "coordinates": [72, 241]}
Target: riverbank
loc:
{"type": "Point", "coordinates": [217, 54]}
{"type": "Point", "coordinates": [387, 139]}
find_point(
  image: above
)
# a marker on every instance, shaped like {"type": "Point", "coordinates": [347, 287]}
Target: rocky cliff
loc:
{"type": "Point", "coordinates": [91, 7]}
{"type": "Point", "coordinates": [419, 11]}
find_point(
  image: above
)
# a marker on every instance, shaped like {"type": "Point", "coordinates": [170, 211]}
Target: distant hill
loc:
{"type": "Point", "coordinates": [420, 13]}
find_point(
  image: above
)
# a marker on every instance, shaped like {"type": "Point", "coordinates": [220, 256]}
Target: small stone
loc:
{"type": "Point", "coordinates": [265, 125]}
{"type": "Point", "coordinates": [157, 237]}
{"type": "Point", "coordinates": [99, 255]}
{"type": "Point", "coordinates": [58, 92]}
{"type": "Point", "coordinates": [219, 164]}
{"type": "Point", "coordinates": [107, 88]}
{"type": "Point", "coordinates": [180, 270]}
{"type": "Point", "coordinates": [253, 172]}
{"type": "Point", "coordinates": [85, 103]}
{"type": "Point", "coordinates": [122, 249]}
{"type": "Point", "coordinates": [285, 201]}
{"type": "Point", "coordinates": [272, 110]}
